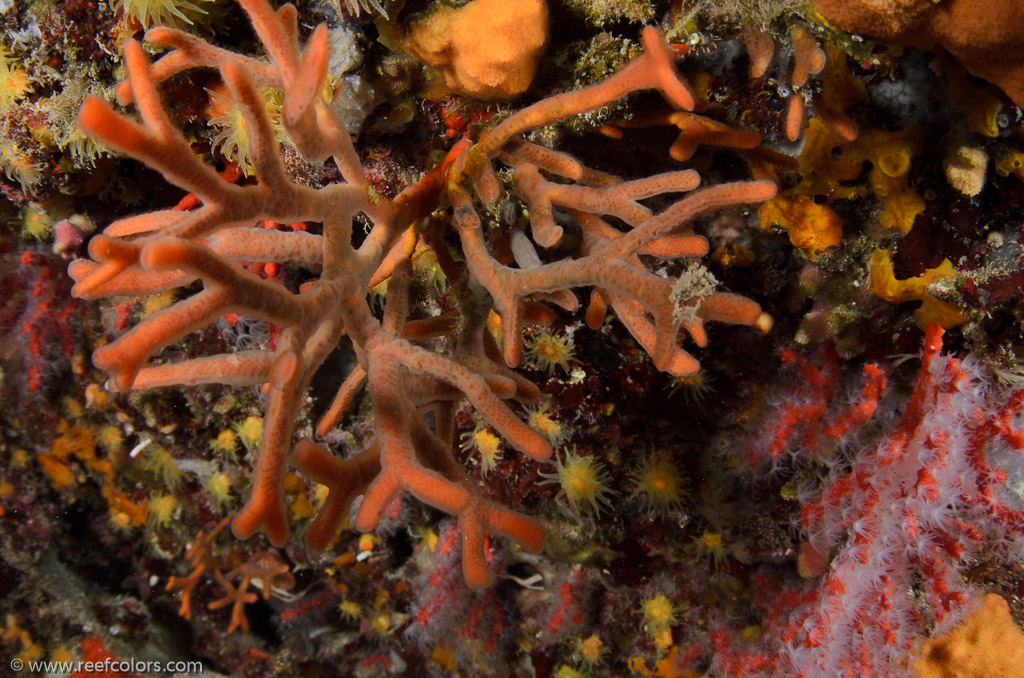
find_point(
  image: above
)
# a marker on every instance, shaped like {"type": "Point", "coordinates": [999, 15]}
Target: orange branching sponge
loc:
{"type": "Point", "coordinates": [200, 558]}
{"type": "Point", "coordinates": [264, 567]}
{"type": "Point", "coordinates": [760, 48]}
{"type": "Point", "coordinates": [840, 89]}
{"type": "Point", "coordinates": [694, 131]}
{"type": "Point", "coordinates": [808, 58]}
{"type": "Point", "coordinates": [401, 363]}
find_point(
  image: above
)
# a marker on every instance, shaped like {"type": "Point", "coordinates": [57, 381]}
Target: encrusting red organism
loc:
{"type": "Point", "coordinates": [168, 249]}
{"type": "Point", "coordinates": [900, 516]}
{"type": "Point", "coordinates": [36, 316]}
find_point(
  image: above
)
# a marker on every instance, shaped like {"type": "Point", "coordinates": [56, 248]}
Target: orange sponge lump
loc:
{"type": "Point", "coordinates": [984, 36]}
{"type": "Point", "coordinates": [986, 644]}
{"type": "Point", "coordinates": [488, 49]}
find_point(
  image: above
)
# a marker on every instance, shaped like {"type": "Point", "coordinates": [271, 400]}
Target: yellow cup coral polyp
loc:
{"type": "Point", "coordinates": [488, 49]}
